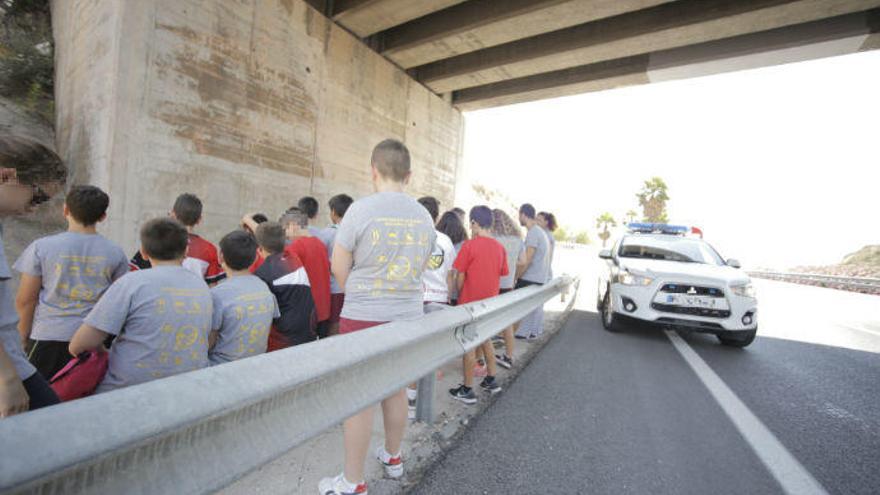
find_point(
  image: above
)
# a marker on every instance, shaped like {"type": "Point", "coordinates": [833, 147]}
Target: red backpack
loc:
{"type": "Point", "coordinates": [81, 376]}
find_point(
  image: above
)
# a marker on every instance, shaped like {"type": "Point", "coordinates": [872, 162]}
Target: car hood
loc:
{"type": "Point", "coordinates": [672, 270]}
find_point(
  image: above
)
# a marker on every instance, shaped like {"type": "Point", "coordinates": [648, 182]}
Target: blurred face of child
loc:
{"type": "Point", "coordinates": [542, 221]}
{"type": "Point", "coordinates": [18, 198]}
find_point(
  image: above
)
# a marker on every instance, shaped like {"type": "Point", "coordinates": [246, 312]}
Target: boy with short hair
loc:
{"type": "Point", "coordinates": [243, 306]}
{"type": "Point", "coordinates": [313, 254]}
{"type": "Point", "coordinates": [381, 250]}
{"type": "Point", "coordinates": [63, 276]}
{"type": "Point", "coordinates": [249, 223]}
{"type": "Point", "coordinates": [480, 264]}
{"type": "Point", "coordinates": [201, 255]}
{"type": "Point", "coordinates": [288, 281]}
{"type": "Point", "coordinates": [338, 206]}
{"type": "Point", "coordinates": [534, 269]}
{"type": "Point", "coordinates": [161, 317]}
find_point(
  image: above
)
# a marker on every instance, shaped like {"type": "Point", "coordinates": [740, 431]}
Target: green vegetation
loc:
{"type": "Point", "coordinates": [582, 237]}
{"type": "Point", "coordinates": [27, 75]}
{"type": "Point", "coordinates": [652, 199]}
{"type": "Point", "coordinates": [604, 223]}
{"type": "Point", "coordinates": [560, 234]}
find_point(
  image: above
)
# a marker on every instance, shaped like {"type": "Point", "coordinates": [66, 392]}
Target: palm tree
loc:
{"type": "Point", "coordinates": [652, 199]}
{"type": "Point", "coordinates": [631, 216]}
{"type": "Point", "coordinates": [604, 222]}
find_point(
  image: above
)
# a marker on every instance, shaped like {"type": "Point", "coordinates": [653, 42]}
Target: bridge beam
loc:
{"type": "Point", "coordinates": [664, 27]}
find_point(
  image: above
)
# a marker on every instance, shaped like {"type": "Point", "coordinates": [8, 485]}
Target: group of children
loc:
{"type": "Point", "coordinates": [180, 304]}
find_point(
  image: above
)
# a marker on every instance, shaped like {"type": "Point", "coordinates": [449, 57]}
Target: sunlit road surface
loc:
{"type": "Point", "coordinates": [645, 412]}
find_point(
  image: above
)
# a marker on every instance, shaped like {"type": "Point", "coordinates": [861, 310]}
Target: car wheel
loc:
{"type": "Point", "coordinates": [610, 320]}
{"type": "Point", "coordinates": [737, 339]}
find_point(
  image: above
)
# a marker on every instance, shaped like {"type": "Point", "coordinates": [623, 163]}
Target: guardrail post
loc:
{"type": "Point", "coordinates": [425, 398]}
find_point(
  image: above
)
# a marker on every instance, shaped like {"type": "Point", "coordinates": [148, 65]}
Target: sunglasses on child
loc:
{"type": "Point", "coordinates": [38, 195]}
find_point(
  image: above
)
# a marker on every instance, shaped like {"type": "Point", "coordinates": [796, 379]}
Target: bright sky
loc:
{"type": "Point", "coordinates": [780, 166]}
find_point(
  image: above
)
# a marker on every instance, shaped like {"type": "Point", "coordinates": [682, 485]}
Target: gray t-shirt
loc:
{"type": "Point", "coordinates": [243, 313]}
{"type": "Point", "coordinates": [162, 317]}
{"type": "Point", "coordinates": [391, 237]}
{"type": "Point", "coordinates": [76, 269]}
{"type": "Point", "coordinates": [328, 237]}
{"type": "Point", "coordinates": [513, 246]}
{"type": "Point", "coordinates": [539, 268]}
{"type": "Point", "coordinates": [9, 338]}
{"type": "Point", "coordinates": [552, 253]}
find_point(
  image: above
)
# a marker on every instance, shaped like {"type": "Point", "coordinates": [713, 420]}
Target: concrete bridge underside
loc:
{"type": "Point", "coordinates": [485, 53]}
{"type": "Point", "coordinates": [253, 103]}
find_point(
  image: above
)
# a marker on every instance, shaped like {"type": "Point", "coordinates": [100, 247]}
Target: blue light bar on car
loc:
{"type": "Point", "coordinates": [658, 228]}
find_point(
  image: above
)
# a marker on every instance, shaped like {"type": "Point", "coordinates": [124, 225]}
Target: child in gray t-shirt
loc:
{"type": "Point", "coordinates": [243, 305]}
{"type": "Point", "coordinates": [63, 276]}
{"type": "Point", "coordinates": [161, 316]}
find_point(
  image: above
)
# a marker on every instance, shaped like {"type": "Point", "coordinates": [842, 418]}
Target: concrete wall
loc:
{"type": "Point", "coordinates": [249, 104]}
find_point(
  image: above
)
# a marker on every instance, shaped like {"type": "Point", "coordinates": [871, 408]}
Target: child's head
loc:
{"type": "Point", "coordinates": [432, 205]}
{"type": "Point", "coordinates": [164, 239]}
{"type": "Point", "coordinates": [30, 173]}
{"type": "Point", "coordinates": [238, 250]}
{"type": "Point", "coordinates": [338, 206]}
{"type": "Point", "coordinates": [309, 206]}
{"type": "Point", "coordinates": [547, 220]}
{"type": "Point", "coordinates": [390, 161]}
{"type": "Point", "coordinates": [187, 209]}
{"type": "Point", "coordinates": [294, 222]}
{"type": "Point", "coordinates": [270, 237]}
{"type": "Point", "coordinates": [86, 205]}
{"type": "Point", "coordinates": [481, 218]}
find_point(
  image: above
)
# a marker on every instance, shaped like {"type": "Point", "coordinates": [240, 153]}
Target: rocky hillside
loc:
{"type": "Point", "coordinates": [862, 263]}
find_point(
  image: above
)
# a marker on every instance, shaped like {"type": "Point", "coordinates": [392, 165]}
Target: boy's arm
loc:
{"type": "Point", "coordinates": [524, 263]}
{"type": "Point", "coordinates": [87, 338]}
{"type": "Point", "coordinates": [13, 397]}
{"type": "Point", "coordinates": [26, 304]}
{"type": "Point", "coordinates": [212, 339]}
{"type": "Point", "coordinates": [460, 282]}
{"type": "Point", "coordinates": [340, 265]}
{"type": "Point", "coordinates": [451, 284]}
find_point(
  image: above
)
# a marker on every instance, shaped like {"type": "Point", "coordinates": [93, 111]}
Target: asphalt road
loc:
{"type": "Point", "coordinates": [597, 412]}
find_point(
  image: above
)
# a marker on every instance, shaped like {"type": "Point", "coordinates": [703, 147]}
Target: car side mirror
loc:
{"type": "Point", "coordinates": [605, 254]}
{"type": "Point", "coordinates": [734, 263]}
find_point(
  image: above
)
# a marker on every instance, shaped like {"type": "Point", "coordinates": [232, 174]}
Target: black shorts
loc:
{"type": "Point", "coordinates": [48, 356]}
{"type": "Point", "coordinates": [525, 283]}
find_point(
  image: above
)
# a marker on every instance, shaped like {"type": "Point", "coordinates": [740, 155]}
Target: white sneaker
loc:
{"type": "Point", "coordinates": [393, 465]}
{"type": "Point", "coordinates": [339, 486]}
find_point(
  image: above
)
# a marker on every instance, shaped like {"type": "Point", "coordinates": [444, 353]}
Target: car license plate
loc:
{"type": "Point", "coordinates": [692, 301]}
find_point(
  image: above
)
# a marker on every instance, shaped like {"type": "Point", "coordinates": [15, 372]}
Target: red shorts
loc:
{"type": "Point", "coordinates": [336, 301]}
{"type": "Point", "coordinates": [349, 326]}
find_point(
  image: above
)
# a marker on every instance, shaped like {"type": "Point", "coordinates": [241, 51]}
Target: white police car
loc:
{"type": "Point", "coordinates": [660, 274]}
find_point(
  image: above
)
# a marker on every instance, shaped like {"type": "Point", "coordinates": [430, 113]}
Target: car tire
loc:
{"type": "Point", "coordinates": [610, 319]}
{"type": "Point", "coordinates": [738, 339]}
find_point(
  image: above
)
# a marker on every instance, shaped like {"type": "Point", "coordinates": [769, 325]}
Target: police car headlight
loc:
{"type": "Point", "coordinates": [744, 290]}
{"type": "Point", "coordinates": [627, 278]}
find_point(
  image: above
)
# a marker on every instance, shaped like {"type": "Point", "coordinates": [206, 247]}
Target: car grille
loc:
{"type": "Point", "coordinates": [681, 310]}
{"type": "Point", "coordinates": [688, 289]}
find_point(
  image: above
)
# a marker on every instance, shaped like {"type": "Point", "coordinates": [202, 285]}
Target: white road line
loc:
{"type": "Point", "coordinates": [791, 474]}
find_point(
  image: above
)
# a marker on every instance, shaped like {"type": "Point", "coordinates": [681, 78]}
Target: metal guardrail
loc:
{"type": "Point", "coordinates": [849, 283]}
{"type": "Point", "coordinates": [197, 432]}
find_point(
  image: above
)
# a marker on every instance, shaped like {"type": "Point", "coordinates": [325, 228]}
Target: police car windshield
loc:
{"type": "Point", "coordinates": [669, 248]}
